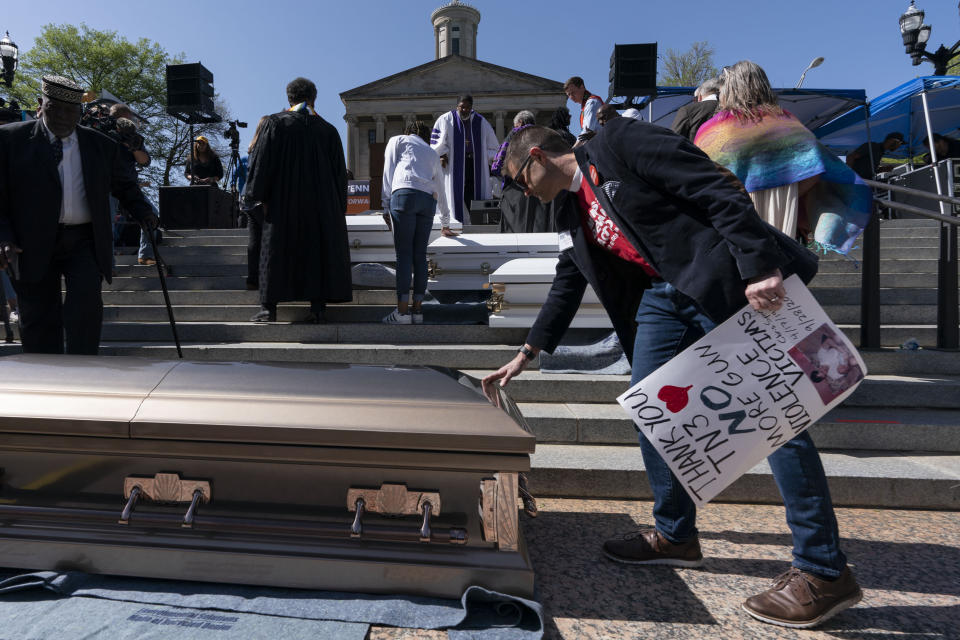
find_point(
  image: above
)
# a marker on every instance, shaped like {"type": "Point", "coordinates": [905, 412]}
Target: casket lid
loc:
{"type": "Point", "coordinates": [496, 243]}
{"type": "Point", "coordinates": [367, 222]}
{"type": "Point", "coordinates": [366, 406]}
{"type": "Point", "coordinates": [525, 270]}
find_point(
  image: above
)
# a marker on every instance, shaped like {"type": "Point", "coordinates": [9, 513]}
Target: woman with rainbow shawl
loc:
{"type": "Point", "coordinates": [795, 183]}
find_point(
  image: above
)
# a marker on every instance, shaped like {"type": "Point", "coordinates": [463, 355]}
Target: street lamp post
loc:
{"type": "Point", "coordinates": [816, 62]}
{"type": "Point", "coordinates": [9, 53]}
{"type": "Point", "coordinates": [915, 36]}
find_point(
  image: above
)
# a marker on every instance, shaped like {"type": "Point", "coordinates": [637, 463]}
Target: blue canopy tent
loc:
{"type": "Point", "coordinates": [901, 109]}
{"type": "Point", "coordinates": [813, 107]}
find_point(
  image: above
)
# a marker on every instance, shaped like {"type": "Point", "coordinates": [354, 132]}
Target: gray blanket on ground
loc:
{"type": "Point", "coordinates": [81, 605]}
{"type": "Point", "coordinates": [603, 357]}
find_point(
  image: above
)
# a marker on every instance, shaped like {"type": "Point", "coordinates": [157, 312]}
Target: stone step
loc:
{"type": "Point", "coordinates": [453, 356]}
{"type": "Point", "coordinates": [457, 356]}
{"type": "Point", "coordinates": [203, 233]}
{"type": "Point", "coordinates": [887, 280]}
{"type": "Point", "coordinates": [896, 335]}
{"type": "Point", "coordinates": [217, 269]}
{"type": "Point", "coordinates": [228, 297]}
{"type": "Point", "coordinates": [240, 313]}
{"type": "Point", "coordinates": [879, 479]}
{"type": "Point", "coordinates": [885, 390]}
{"type": "Point", "coordinates": [889, 314]}
{"type": "Point", "coordinates": [888, 296]}
{"type": "Point", "coordinates": [887, 265]}
{"type": "Point", "coordinates": [152, 283]}
{"type": "Point", "coordinates": [193, 255]}
{"type": "Point", "coordinates": [203, 241]}
{"type": "Point", "coordinates": [365, 333]}
{"type": "Point", "coordinates": [843, 428]}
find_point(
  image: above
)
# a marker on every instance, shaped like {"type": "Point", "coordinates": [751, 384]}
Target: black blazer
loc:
{"type": "Point", "coordinates": [31, 193]}
{"type": "Point", "coordinates": [690, 219]}
{"type": "Point", "coordinates": [691, 115]}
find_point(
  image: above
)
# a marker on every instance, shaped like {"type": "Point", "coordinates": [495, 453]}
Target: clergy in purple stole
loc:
{"type": "Point", "coordinates": [469, 144]}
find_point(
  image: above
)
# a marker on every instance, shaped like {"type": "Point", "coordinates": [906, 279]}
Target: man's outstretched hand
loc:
{"type": "Point", "coordinates": [504, 374]}
{"type": "Point", "coordinates": [766, 293]}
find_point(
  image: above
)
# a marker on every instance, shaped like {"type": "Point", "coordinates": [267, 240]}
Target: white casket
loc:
{"type": "Point", "coordinates": [370, 238]}
{"type": "Point", "coordinates": [466, 262]}
{"type": "Point", "coordinates": [455, 225]}
{"type": "Point", "coordinates": [520, 288]}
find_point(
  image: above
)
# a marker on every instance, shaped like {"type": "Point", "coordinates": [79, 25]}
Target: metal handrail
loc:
{"type": "Point", "coordinates": [912, 192]}
{"type": "Point", "coordinates": [948, 313]}
{"type": "Point", "coordinates": [926, 213]}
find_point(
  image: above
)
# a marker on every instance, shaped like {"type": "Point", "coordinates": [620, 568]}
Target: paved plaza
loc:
{"type": "Point", "coordinates": [908, 563]}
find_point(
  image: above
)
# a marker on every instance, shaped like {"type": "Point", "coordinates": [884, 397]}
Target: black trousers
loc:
{"type": "Point", "coordinates": [254, 236]}
{"type": "Point", "coordinates": [46, 317]}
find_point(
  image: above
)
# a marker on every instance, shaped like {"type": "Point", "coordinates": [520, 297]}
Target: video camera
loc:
{"type": "Point", "coordinates": [97, 116]}
{"type": "Point", "coordinates": [232, 134]}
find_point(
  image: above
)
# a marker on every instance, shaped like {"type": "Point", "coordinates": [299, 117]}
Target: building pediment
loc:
{"type": "Point", "coordinates": [450, 75]}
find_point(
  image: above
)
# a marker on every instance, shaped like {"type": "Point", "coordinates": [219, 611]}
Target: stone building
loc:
{"type": "Point", "coordinates": [381, 109]}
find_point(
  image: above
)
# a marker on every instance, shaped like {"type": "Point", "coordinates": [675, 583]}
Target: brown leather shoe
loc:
{"type": "Point", "coordinates": [146, 261]}
{"type": "Point", "coordinates": [647, 546]}
{"type": "Point", "coordinates": [801, 600]}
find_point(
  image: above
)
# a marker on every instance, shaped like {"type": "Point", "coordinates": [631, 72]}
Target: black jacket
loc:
{"type": "Point", "coordinates": [690, 219]}
{"type": "Point", "coordinates": [691, 115]}
{"type": "Point", "coordinates": [31, 193]}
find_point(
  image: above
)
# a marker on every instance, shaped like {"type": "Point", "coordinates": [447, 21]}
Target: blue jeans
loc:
{"type": "Point", "coordinates": [667, 323]}
{"type": "Point", "coordinates": [412, 212]}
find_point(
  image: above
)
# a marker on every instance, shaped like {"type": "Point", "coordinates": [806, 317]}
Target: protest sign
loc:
{"type": "Point", "coordinates": [743, 390]}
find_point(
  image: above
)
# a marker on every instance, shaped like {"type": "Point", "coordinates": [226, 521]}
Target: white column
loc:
{"type": "Point", "coordinates": [499, 116]}
{"type": "Point", "coordinates": [353, 143]}
{"type": "Point", "coordinates": [381, 121]}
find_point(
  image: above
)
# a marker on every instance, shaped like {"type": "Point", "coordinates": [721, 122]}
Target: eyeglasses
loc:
{"type": "Point", "coordinates": [518, 178]}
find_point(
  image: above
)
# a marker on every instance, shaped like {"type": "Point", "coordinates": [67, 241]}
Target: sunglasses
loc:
{"type": "Point", "coordinates": [518, 178]}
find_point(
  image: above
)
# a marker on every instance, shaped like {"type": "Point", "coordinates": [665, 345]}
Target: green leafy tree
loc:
{"type": "Point", "coordinates": [687, 68]}
{"type": "Point", "coordinates": [133, 71]}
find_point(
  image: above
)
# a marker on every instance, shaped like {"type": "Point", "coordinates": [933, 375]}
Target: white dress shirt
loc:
{"type": "Point", "coordinates": [74, 208]}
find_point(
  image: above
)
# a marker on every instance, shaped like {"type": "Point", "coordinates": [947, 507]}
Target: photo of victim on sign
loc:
{"type": "Point", "coordinates": [743, 390]}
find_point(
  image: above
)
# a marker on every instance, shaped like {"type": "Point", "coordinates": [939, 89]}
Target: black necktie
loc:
{"type": "Point", "coordinates": [57, 149]}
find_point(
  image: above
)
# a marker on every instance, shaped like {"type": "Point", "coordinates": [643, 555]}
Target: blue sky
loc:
{"type": "Point", "coordinates": [255, 47]}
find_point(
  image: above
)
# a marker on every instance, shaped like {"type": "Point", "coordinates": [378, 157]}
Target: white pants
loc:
{"type": "Point", "coordinates": [779, 207]}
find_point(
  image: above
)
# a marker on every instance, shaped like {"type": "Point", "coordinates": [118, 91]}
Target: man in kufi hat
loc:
{"type": "Point", "coordinates": [55, 181]}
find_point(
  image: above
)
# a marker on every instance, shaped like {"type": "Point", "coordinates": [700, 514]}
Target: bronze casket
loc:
{"type": "Point", "coordinates": [341, 477]}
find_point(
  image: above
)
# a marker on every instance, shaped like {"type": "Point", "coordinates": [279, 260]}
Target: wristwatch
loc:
{"type": "Point", "coordinates": [527, 353]}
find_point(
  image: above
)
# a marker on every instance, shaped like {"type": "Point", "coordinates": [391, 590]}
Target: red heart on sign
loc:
{"type": "Point", "coordinates": [675, 397]}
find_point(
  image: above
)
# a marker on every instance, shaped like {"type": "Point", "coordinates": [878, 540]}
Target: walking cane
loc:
{"type": "Point", "coordinates": [161, 265]}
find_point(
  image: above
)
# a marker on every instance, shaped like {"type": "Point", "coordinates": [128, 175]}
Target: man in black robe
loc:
{"type": "Point", "coordinates": [297, 171]}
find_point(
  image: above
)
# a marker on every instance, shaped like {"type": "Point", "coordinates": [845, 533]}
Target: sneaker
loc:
{"type": "Point", "coordinates": [648, 546]}
{"type": "Point", "coordinates": [417, 318]}
{"type": "Point", "coordinates": [146, 261]}
{"type": "Point", "coordinates": [264, 315]}
{"type": "Point", "coordinates": [801, 600]}
{"type": "Point", "coordinates": [396, 317]}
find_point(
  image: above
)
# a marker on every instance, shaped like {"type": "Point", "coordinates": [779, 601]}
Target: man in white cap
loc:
{"type": "Point", "coordinates": [55, 182]}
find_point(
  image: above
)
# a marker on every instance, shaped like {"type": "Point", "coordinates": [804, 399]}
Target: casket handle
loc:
{"type": "Point", "coordinates": [356, 529]}
{"type": "Point", "coordinates": [131, 503]}
{"type": "Point", "coordinates": [192, 510]}
{"type": "Point", "coordinates": [425, 527]}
